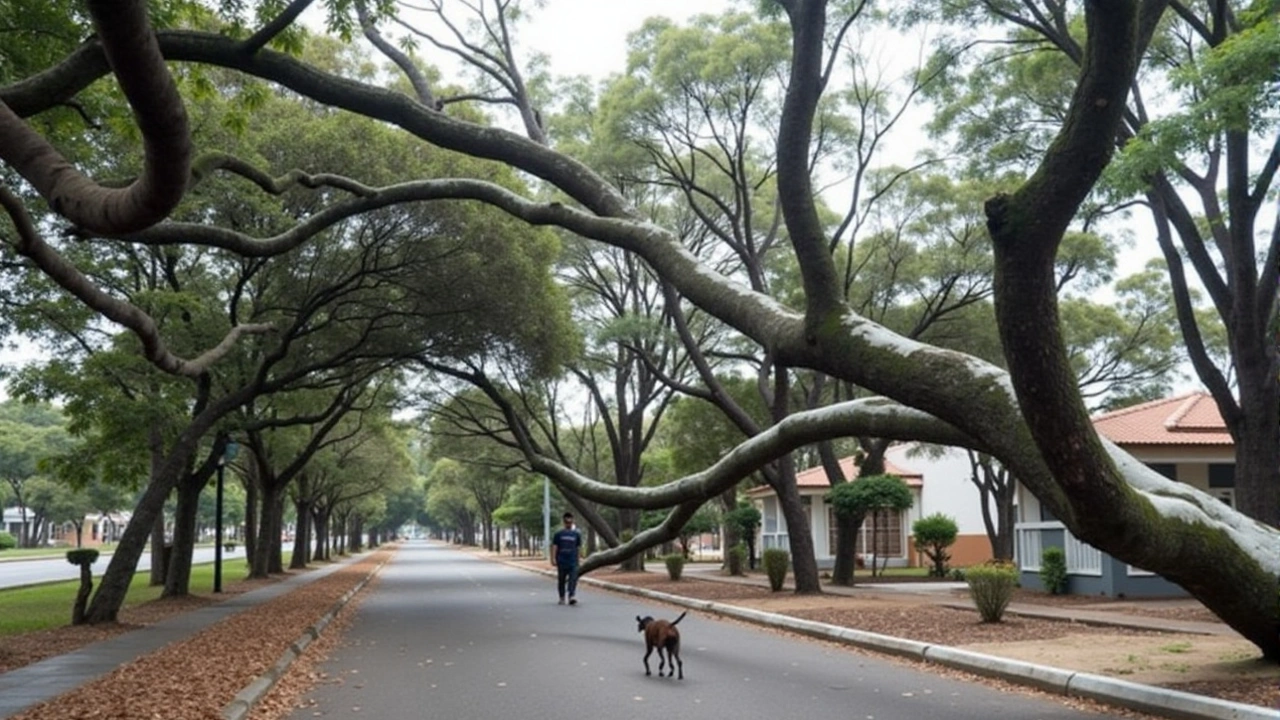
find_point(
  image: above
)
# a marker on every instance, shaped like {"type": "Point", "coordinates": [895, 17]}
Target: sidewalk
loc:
{"type": "Point", "coordinates": [36, 683]}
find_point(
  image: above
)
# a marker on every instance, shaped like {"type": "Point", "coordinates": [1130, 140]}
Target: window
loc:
{"type": "Point", "coordinates": [887, 526]}
{"type": "Point", "coordinates": [1222, 475]}
{"type": "Point", "coordinates": [1168, 470]}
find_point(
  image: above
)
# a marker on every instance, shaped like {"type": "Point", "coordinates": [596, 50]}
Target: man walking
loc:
{"type": "Point", "coordinates": [565, 545]}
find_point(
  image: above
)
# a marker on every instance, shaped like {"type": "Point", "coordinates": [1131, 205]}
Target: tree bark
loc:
{"type": "Point", "coordinates": [178, 575]}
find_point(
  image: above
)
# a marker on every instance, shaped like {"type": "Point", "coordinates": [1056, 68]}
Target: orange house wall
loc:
{"type": "Point", "coordinates": [968, 550]}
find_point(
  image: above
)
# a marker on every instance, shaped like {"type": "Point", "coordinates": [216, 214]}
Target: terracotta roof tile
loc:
{"type": "Point", "coordinates": [816, 477]}
{"type": "Point", "coordinates": [1190, 419]}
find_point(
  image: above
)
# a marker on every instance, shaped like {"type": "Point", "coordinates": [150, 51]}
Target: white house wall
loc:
{"type": "Point", "coordinates": [947, 488]}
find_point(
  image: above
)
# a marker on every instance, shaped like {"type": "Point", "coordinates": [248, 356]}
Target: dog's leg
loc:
{"type": "Point", "coordinates": [662, 660]}
{"type": "Point", "coordinates": [648, 650]}
{"type": "Point", "coordinates": [674, 653]}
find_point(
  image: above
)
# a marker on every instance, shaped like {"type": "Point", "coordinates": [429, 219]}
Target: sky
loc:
{"type": "Point", "coordinates": [588, 37]}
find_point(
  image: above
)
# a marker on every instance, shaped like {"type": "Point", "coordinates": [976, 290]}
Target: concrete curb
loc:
{"type": "Point", "coordinates": [245, 700]}
{"type": "Point", "coordinates": [1134, 696]}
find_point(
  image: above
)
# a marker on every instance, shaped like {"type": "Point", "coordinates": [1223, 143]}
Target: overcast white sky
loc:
{"type": "Point", "coordinates": [588, 37]}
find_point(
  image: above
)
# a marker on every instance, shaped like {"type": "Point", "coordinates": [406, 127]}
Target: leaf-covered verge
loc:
{"type": "Point", "coordinates": [194, 679]}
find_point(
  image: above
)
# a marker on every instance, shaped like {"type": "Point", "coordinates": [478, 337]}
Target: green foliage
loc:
{"type": "Point", "coordinates": [82, 556]}
{"type": "Point", "coordinates": [933, 535]}
{"type": "Point", "coordinates": [737, 559]}
{"type": "Point", "coordinates": [875, 492]}
{"type": "Point", "coordinates": [7, 541]}
{"type": "Point", "coordinates": [776, 562]}
{"type": "Point", "coordinates": [744, 519]}
{"type": "Point", "coordinates": [991, 586]}
{"type": "Point", "coordinates": [675, 565]}
{"type": "Point", "coordinates": [1053, 570]}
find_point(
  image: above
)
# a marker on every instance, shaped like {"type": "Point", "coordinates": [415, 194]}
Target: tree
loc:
{"type": "Point", "coordinates": [933, 534]}
{"type": "Point", "coordinates": [1031, 418]}
{"type": "Point", "coordinates": [872, 495]}
{"type": "Point", "coordinates": [29, 437]}
{"type": "Point", "coordinates": [1199, 153]}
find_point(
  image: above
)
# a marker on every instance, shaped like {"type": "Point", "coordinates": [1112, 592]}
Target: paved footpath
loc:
{"type": "Point", "coordinates": [446, 634]}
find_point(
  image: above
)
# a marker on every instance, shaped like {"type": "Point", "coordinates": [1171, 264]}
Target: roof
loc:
{"type": "Point", "coordinates": [816, 477]}
{"type": "Point", "coordinates": [1190, 419]}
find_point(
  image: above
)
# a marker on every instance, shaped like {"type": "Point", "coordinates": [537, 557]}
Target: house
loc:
{"type": "Point", "coordinates": [1182, 438]}
{"type": "Point", "coordinates": [16, 522]}
{"type": "Point", "coordinates": [944, 488]}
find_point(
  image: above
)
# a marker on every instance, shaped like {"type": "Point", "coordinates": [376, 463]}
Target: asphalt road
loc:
{"type": "Point", "coordinates": [443, 634]}
{"type": "Point", "coordinates": [14, 573]}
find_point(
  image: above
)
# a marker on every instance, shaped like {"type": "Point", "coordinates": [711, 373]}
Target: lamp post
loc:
{"type": "Point", "coordinates": [227, 454]}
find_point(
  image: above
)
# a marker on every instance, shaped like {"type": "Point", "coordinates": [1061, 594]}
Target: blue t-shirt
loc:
{"type": "Point", "coordinates": [566, 541]}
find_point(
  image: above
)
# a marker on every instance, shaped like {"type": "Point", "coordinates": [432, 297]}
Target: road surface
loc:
{"type": "Point", "coordinates": [14, 573]}
{"type": "Point", "coordinates": [443, 634]}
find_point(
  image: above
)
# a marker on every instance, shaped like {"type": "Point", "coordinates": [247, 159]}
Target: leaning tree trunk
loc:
{"type": "Point", "coordinates": [1226, 564]}
{"type": "Point", "coordinates": [114, 585]}
{"type": "Point", "coordinates": [178, 575]}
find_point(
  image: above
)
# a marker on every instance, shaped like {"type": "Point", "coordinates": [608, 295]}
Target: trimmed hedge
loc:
{"type": "Point", "coordinates": [991, 585]}
{"type": "Point", "coordinates": [675, 565]}
{"type": "Point", "coordinates": [776, 563]}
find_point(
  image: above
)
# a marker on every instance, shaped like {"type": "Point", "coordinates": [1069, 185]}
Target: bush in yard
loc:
{"type": "Point", "coordinates": [776, 562]}
{"type": "Point", "coordinates": [7, 541]}
{"type": "Point", "coordinates": [737, 559]}
{"type": "Point", "coordinates": [1053, 570]}
{"type": "Point", "coordinates": [991, 586]}
{"type": "Point", "coordinates": [933, 535]}
{"type": "Point", "coordinates": [675, 565]}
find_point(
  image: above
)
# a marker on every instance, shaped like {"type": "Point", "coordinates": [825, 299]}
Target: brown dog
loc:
{"type": "Point", "coordinates": [663, 636]}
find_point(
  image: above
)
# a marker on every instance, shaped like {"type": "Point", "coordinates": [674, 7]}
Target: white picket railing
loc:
{"type": "Point", "coordinates": [1082, 558]}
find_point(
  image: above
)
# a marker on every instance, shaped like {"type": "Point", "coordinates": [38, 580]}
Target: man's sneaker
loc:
{"type": "Point", "coordinates": [573, 600]}
{"type": "Point", "coordinates": [561, 601]}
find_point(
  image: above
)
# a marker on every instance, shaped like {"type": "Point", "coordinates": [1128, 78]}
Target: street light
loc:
{"type": "Point", "coordinates": [227, 454]}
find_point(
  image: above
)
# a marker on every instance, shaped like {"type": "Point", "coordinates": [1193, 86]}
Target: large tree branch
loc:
{"type": "Point", "coordinates": [133, 55]}
{"type": "Point", "coordinates": [70, 278]}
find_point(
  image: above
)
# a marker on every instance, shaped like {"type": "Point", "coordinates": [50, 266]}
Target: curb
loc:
{"type": "Point", "coordinates": [1134, 696]}
{"type": "Point", "coordinates": [245, 700]}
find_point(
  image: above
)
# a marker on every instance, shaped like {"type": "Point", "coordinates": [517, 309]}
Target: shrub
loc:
{"type": "Point", "coordinates": [776, 562]}
{"type": "Point", "coordinates": [934, 534]}
{"type": "Point", "coordinates": [737, 559]}
{"type": "Point", "coordinates": [1053, 570]}
{"type": "Point", "coordinates": [957, 574]}
{"type": "Point", "coordinates": [675, 565]}
{"type": "Point", "coordinates": [7, 541]}
{"type": "Point", "coordinates": [991, 585]}
{"type": "Point", "coordinates": [82, 556]}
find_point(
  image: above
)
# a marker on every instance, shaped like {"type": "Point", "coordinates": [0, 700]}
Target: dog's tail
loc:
{"type": "Point", "coordinates": [673, 622]}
